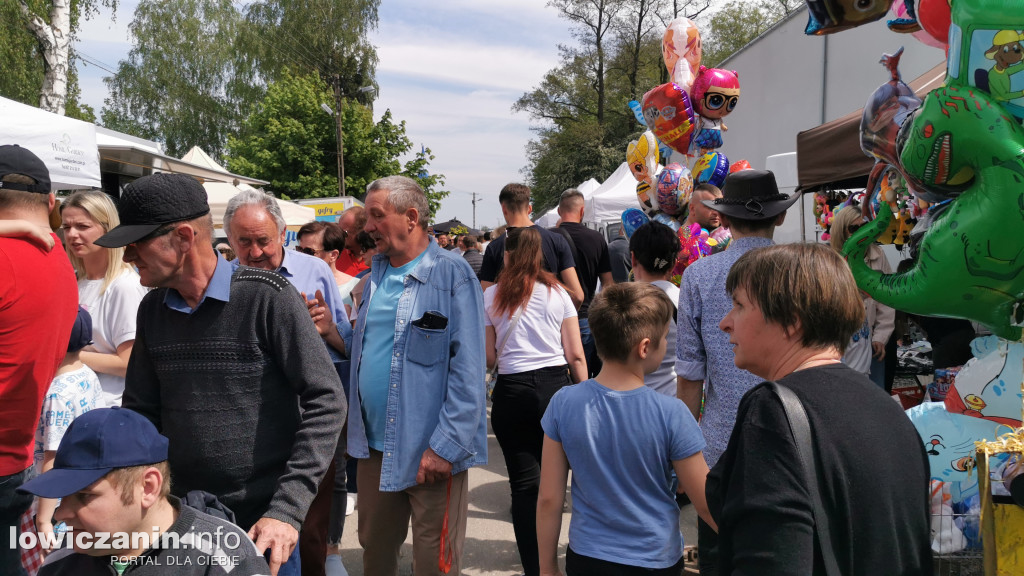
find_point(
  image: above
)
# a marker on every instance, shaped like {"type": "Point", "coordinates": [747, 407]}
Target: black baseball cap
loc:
{"type": "Point", "coordinates": [152, 201]}
{"type": "Point", "coordinates": [96, 443]}
{"type": "Point", "coordinates": [17, 160]}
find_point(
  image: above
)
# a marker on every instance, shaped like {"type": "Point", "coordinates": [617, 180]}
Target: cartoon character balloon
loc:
{"type": "Point", "coordinates": [988, 386]}
{"type": "Point", "coordinates": [675, 185]}
{"type": "Point", "coordinates": [829, 16]}
{"type": "Point", "coordinates": [681, 50]}
{"type": "Point", "coordinates": [714, 96]}
{"type": "Point", "coordinates": [670, 116]}
{"type": "Point", "coordinates": [711, 168]}
{"type": "Point", "coordinates": [642, 156]}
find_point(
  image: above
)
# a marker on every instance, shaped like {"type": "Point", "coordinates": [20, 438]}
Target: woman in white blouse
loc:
{"type": "Point", "coordinates": [107, 287]}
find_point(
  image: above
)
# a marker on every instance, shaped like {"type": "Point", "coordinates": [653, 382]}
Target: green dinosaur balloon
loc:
{"type": "Point", "coordinates": [971, 259]}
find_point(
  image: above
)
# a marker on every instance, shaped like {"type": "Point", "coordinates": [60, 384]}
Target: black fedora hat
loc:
{"type": "Point", "coordinates": [752, 195]}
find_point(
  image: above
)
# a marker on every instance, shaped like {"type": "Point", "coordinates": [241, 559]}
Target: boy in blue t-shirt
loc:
{"type": "Point", "coordinates": [622, 441]}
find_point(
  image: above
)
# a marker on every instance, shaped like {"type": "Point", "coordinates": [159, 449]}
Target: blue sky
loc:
{"type": "Point", "coordinates": [451, 69]}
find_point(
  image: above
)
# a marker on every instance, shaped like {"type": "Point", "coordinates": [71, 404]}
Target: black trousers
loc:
{"type": "Point", "coordinates": [707, 549]}
{"type": "Point", "coordinates": [518, 402]}
{"type": "Point", "coordinates": [576, 565]}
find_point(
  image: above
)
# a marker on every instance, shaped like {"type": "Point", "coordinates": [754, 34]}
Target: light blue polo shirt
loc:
{"type": "Point", "coordinates": [378, 350]}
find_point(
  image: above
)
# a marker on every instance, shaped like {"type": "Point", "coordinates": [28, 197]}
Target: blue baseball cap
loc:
{"type": "Point", "coordinates": [96, 443]}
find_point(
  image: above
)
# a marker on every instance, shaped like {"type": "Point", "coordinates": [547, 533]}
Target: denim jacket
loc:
{"type": "Point", "coordinates": [436, 393]}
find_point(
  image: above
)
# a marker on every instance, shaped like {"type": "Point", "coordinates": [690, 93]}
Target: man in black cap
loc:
{"type": "Point", "coordinates": [38, 306]}
{"type": "Point", "coordinates": [751, 208]}
{"type": "Point", "coordinates": [111, 472]}
{"type": "Point", "coordinates": [228, 366]}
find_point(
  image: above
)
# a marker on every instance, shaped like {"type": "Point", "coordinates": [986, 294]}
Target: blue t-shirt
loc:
{"type": "Point", "coordinates": [378, 348]}
{"type": "Point", "coordinates": [620, 446]}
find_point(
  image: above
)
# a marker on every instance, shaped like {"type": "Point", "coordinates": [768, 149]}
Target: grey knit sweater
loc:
{"type": "Point", "coordinates": [245, 392]}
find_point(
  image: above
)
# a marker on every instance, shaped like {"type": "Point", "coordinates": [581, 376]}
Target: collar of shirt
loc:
{"type": "Point", "coordinates": [219, 288]}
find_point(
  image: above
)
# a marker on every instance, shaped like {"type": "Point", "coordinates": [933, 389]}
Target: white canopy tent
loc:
{"type": "Point", "coordinates": [219, 193]}
{"type": "Point", "coordinates": [66, 146]}
{"type": "Point", "coordinates": [616, 194]}
{"type": "Point", "coordinates": [550, 218]}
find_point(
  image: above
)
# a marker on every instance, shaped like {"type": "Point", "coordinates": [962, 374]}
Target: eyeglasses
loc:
{"type": "Point", "coordinates": [309, 251]}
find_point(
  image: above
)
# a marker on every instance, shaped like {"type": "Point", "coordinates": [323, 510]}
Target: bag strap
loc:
{"type": "Point", "coordinates": [801, 430]}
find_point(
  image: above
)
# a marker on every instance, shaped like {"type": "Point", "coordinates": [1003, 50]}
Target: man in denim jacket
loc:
{"type": "Point", "coordinates": [418, 419]}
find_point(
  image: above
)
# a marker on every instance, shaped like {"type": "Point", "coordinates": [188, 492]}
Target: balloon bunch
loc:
{"type": "Point", "coordinates": [684, 128]}
{"type": "Point", "coordinates": [695, 243]}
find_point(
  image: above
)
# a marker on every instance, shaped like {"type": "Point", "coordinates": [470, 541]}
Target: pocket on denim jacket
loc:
{"type": "Point", "coordinates": [427, 347]}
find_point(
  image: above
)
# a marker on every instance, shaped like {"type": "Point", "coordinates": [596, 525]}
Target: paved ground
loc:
{"type": "Point", "coordinates": [490, 548]}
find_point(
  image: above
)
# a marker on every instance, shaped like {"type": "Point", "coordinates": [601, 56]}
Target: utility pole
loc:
{"type": "Point", "coordinates": [474, 208]}
{"type": "Point", "coordinates": [341, 142]}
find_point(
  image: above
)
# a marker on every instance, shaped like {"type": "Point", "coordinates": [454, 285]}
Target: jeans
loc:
{"type": "Point", "coordinates": [576, 565]}
{"type": "Point", "coordinates": [518, 403]}
{"type": "Point", "coordinates": [12, 505]}
{"type": "Point", "coordinates": [589, 348]}
{"type": "Point", "coordinates": [293, 567]}
{"type": "Point", "coordinates": [878, 372]}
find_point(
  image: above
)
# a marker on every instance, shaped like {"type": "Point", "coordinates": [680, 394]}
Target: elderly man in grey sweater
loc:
{"type": "Point", "coordinates": [228, 366]}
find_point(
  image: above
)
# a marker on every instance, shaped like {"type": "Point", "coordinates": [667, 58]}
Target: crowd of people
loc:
{"type": "Point", "coordinates": [149, 385]}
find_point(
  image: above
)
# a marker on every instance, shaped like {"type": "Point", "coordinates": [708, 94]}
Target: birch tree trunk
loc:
{"type": "Point", "coordinates": [55, 41]}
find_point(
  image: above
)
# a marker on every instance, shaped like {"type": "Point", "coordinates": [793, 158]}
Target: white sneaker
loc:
{"type": "Point", "coordinates": [350, 506]}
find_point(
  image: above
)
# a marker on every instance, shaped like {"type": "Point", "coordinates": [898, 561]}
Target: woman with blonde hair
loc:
{"type": "Point", "coordinates": [107, 287]}
{"type": "Point", "coordinates": [533, 338]}
{"type": "Point", "coordinates": [866, 351]}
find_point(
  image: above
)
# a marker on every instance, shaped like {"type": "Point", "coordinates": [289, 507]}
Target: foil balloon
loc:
{"type": "Point", "coordinates": [681, 50]}
{"type": "Point", "coordinates": [670, 116]}
{"type": "Point", "coordinates": [632, 219]}
{"type": "Point", "coordinates": [830, 16]}
{"type": "Point", "coordinates": [638, 112]}
{"type": "Point", "coordinates": [667, 221]}
{"type": "Point", "coordinates": [962, 143]}
{"type": "Point", "coordinates": [885, 112]}
{"type": "Point", "coordinates": [740, 165]}
{"type": "Point", "coordinates": [642, 157]}
{"type": "Point", "coordinates": [714, 96]}
{"type": "Point", "coordinates": [711, 168]}
{"type": "Point", "coordinates": [907, 22]}
{"type": "Point", "coordinates": [988, 386]}
{"type": "Point", "coordinates": [949, 439]}
{"type": "Point", "coordinates": [675, 185]}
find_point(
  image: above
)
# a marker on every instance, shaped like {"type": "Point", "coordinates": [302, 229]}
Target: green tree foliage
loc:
{"type": "Point", "coordinates": [290, 141]}
{"type": "Point", "coordinates": [183, 83]}
{"type": "Point", "coordinates": [22, 54]}
{"type": "Point", "coordinates": [279, 36]}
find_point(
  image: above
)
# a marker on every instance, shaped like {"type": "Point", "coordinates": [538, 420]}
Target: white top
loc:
{"type": "Point", "coordinates": [663, 380]}
{"type": "Point", "coordinates": [113, 322]}
{"type": "Point", "coordinates": [537, 339]}
{"type": "Point", "coordinates": [70, 395]}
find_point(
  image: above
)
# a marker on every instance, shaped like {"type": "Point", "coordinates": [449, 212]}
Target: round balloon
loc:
{"type": "Point", "coordinates": [711, 168]}
{"type": "Point", "coordinates": [632, 219]}
{"type": "Point", "coordinates": [934, 17]}
{"type": "Point", "coordinates": [675, 184]}
{"type": "Point", "coordinates": [739, 165]}
{"type": "Point", "coordinates": [670, 116]}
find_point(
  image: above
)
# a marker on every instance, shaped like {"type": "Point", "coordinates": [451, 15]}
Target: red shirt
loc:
{"type": "Point", "coordinates": [349, 265]}
{"type": "Point", "coordinates": [38, 306]}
